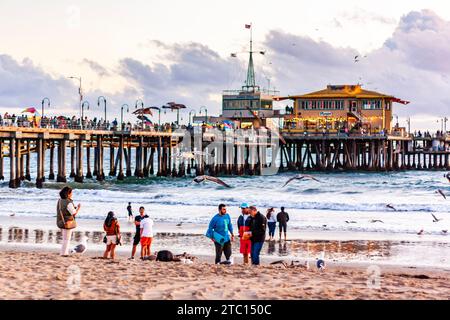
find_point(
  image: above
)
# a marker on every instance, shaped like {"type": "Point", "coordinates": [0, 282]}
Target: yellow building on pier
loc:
{"type": "Point", "coordinates": [340, 108]}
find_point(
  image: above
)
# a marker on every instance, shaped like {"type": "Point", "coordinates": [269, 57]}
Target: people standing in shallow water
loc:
{"type": "Point", "coordinates": [271, 223]}
{"type": "Point", "coordinates": [130, 212]}
{"type": "Point", "coordinates": [282, 218]}
{"type": "Point", "coordinates": [65, 218]}
{"type": "Point", "coordinates": [137, 236]}
{"type": "Point", "coordinates": [112, 228]}
{"type": "Point", "coordinates": [243, 223]}
{"type": "Point", "coordinates": [219, 231]}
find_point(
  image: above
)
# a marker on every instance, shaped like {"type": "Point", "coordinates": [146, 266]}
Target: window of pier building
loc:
{"type": "Point", "coordinates": [321, 104]}
{"type": "Point", "coordinates": [239, 104]}
{"type": "Point", "coordinates": [371, 104]}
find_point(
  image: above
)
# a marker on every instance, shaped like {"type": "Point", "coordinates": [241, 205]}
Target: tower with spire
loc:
{"type": "Point", "coordinates": [236, 104]}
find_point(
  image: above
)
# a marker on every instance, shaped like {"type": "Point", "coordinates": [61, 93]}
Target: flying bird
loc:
{"type": "Point", "coordinates": [444, 231]}
{"type": "Point", "coordinates": [82, 247]}
{"type": "Point", "coordinates": [12, 214]}
{"type": "Point", "coordinates": [179, 224]}
{"type": "Point", "coordinates": [420, 232]}
{"type": "Point", "coordinates": [435, 219]}
{"type": "Point", "coordinates": [441, 193]}
{"type": "Point", "coordinates": [356, 58]}
{"type": "Point", "coordinates": [390, 206]}
{"type": "Point", "coordinates": [300, 177]}
{"type": "Point", "coordinates": [346, 221]}
{"type": "Point", "coordinates": [203, 178]}
{"type": "Point", "coordinates": [447, 176]}
{"type": "Point", "coordinates": [374, 221]}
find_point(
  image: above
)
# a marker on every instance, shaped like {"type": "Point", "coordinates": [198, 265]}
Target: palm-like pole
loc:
{"type": "Point", "coordinates": [141, 103]}
{"type": "Point", "coordinates": [85, 103]}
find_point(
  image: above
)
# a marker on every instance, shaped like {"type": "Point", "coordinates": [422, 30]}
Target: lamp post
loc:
{"type": "Point", "coordinates": [121, 114]}
{"type": "Point", "coordinates": [206, 113]}
{"type": "Point", "coordinates": [190, 115]}
{"type": "Point", "coordinates": [159, 113]}
{"type": "Point", "coordinates": [408, 121]}
{"type": "Point", "coordinates": [445, 125]}
{"type": "Point", "coordinates": [396, 116]}
{"type": "Point", "coordinates": [141, 103]}
{"type": "Point", "coordinates": [42, 103]}
{"type": "Point", "coordinates": [80, 94]}
{"type": "Point", "coordinates": [82, 112]}
{"type": "Point", "coordinates": [102, 98]}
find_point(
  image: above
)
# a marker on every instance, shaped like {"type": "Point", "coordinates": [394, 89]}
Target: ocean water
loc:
{"type": "Point", "coordinates": [326, 205]}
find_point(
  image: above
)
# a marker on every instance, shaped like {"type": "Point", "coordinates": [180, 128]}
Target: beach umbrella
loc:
{"type": "Point", "coordinates": [143, 111]}
{"type": "Point", "coordinates": [141, 117]}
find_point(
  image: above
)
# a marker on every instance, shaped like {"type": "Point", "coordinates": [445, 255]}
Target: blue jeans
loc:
{"type": "Point", "coordinates": [256, 249]}
{"type": "Point", "coordinates": [272, 226]}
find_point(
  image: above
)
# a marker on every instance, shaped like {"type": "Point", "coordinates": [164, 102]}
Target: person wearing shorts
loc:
{"type": "Point", "coordinates": [282, 218]}
{"type": "Point", "coordinates": [146, 229]}
{"type": "Point", "coordinates": [112, 229]}
{"type": "Point", "coordinates": [245, 244]}
{"type": "Point", "coordinates": [137, 236]}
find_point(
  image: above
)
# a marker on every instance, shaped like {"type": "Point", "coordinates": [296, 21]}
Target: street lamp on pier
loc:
{"type": "Point", "coordinates": [102, 98]}
{"type": "Point", "coordinates": [43, 103]}
{"type": "Point", "coordinates": [206, 113]}
{"type": "Point", "coordinates": [121, 114]}
{"type": "Point", "coordinates": [80, 93]}
{"type": "Point", "coordinates": [190, 115]}
{"type": "Point", "coordinates": [85, 103]}
{"type": "Point", "coordinates": [141, 103]}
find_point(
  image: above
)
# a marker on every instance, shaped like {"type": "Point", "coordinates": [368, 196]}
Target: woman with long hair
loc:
{"type": "Point", "coordinates": [65, 217]}
{"type": "Point", "coordinates": [112, 228]}
{"type": "Point", "coordinates": [271, 222]}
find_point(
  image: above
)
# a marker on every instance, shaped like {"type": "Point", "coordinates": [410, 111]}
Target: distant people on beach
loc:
{"type": "Point", "coordinates": [258, 226]}
{"type": "Point", "coordinates": [146, 229]}
{"type": "Point", "coordinates": [282, 218]}
{"type": "Point", "coordinates": [243, 223]}
{"type": "Point", "coordinates": [271, 222]}
{"type": "Point", "coordinates": [65, 218]}
{"type": "Point", "coordinates": [130, 212]}
{"type": "Point", "coordinates": [219, 230]}
{"type": "Point", "coordinates": [137, 236]}
{"type": "Point", "coordinates": [112, 228]}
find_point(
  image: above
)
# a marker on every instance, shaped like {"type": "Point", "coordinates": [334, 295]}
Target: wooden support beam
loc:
{"type": "Point", "coordinates": [61, 161]}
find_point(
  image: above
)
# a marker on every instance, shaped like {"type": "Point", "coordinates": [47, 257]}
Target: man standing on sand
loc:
{"type": "Point", "coordinates": [130, 212]}
{"type": "Point", "coordinates": [137, 236]}
{"type": "Point", "coordinates": [243, 223]}
{"type": "Point", "coordinates": [283, 218]}
{"type": "Point", "coordinates": [146, 237]}
{"type": "Point", "coordinates": [258, 225]}
{"type": "Point", "coordinates": [219, 231]}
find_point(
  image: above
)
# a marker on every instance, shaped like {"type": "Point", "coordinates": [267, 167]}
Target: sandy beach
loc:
{"type": "Point", "coordinates": [29, 274]}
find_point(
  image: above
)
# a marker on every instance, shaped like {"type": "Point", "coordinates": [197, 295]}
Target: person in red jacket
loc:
{"type": "Point", "coordinates": [244, 226]}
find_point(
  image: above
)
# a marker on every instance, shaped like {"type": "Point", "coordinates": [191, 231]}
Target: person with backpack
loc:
{"type": "Point", "coordinates": [219, 231]}
{"type": "Point", "coordinates": [112, 228]}
{"type": "Point", "coordinates": [282, 218]}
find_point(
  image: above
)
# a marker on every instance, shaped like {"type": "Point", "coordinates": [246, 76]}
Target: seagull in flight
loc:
{"type": "Point", "coordinates": [441, 193]}
{"type": "Point", "coordinates": [448, 176]}
{"type": "Point", "coordinates": [435, 219]}
{"type": "Point", "coordinates": [300, 177]}
{"type": "Point", "coordinates": [203, 178]}
{"type": "Point", "coordinates": [390, 206]}
{"type": "Point", "coordinates": [374, 221]}
{"type": "Point", "coordinates": [420, 232]}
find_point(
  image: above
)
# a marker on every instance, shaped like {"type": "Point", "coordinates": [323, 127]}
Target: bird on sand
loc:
{"type": "Point", "coordinates": [82, 247]}
{"type": "Point", "coordinates": [203, 178]}
{"type": "Point", "coordinates": [441, 193]}
{"type": "Point", "coordinates": [435, 219]}
{"type": "Point", "coordinates": [320, 264]}
{"type": "Point", "coordinates": [300, 177]}
{"type": "Point", "coordinates": [390, 206]}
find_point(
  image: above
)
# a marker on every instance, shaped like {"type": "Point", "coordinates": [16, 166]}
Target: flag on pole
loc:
{"type": "Point", "coordinates": [248, 26]}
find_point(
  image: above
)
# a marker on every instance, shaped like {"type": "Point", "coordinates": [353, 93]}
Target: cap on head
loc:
{"type": "Point", "coordinates": [244, 205]}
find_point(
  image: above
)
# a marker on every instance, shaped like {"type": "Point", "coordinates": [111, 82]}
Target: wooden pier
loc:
{"type": "Point", "coordinates": [143, 154]}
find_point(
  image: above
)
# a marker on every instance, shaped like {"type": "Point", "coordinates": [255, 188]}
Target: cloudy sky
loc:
{"type": "Point", "coordinates": [178, 50]}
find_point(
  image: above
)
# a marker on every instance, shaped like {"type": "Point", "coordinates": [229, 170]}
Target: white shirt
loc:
{"type": "Point", "coordinates": [273, 218]}
{"type": "Point", "coordinates": [71, 208]}
{"type": "Point", "coordinates": [147, 228]}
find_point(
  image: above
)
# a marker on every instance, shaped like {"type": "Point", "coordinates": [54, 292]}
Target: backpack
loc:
{"type": "Point", "coordinates": [164, 255]}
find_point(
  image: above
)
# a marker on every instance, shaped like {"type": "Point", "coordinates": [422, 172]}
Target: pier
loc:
{"type": "Point", "coordinates": [64, 155]}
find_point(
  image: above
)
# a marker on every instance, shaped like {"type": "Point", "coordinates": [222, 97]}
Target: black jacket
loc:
{"type": "Point", "coordinates": [258, 225]}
